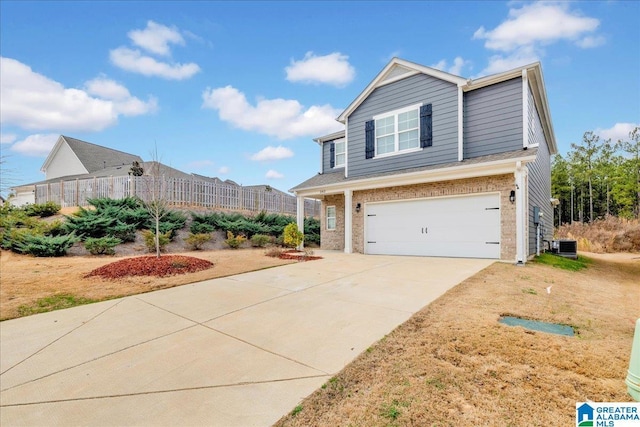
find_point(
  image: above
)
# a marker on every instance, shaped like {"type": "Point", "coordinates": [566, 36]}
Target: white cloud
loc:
{"type": "Point", "coordinates": [156, 38]}
{"type": "Point", "coordinates": [591, 41]}
{"type": "Point", "coordinates": [619, 131]}
{"type": "Point", "coordinates": [523, 56]}
{"type": "Point", "coordinates": [35, 102]}
{"type": "Point", "coordinates": [282, 118]}
{"type": "Point", "coordinates": [224, 170]}
{"type": "Point", "coordinates": [134, 61]}
{"type": "Point", "coordinates": [455, 68]}
{"type": "Point", "coordinates": [38, 145]}
{"type": "Point", "coordinates": [522, 36]}
{"type": "Point", "coordinates": [7, 138]}
{"type": "Point", "coordinates": [333, 69]}
{"type": "Point", "coordinates": [540, 22]}
{"type": "Point", "coordinates": [272, 153]}
{"type": "Point", "coordinates": [272, 174]}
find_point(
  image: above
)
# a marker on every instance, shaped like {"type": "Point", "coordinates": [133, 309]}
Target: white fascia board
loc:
{"type": "Point", "coordinates": [322, 139]}
{"type": "Point", "coordinates": [540, 98]}
{"type": "Point", "coordinates": [497, 78]}
{"type": "Point", "coordinates": [497, 167]}
{"type": "Point", "coordinates": [380, 81]}
{"type": "Point", "coordinates": [346, 149]}
{"type": "Point", "coordinates": [460, 124]}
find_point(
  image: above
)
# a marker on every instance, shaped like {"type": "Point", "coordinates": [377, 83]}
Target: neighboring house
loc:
{"type": "Point", "coordinates": [434, 164]}
{"type": "Point", "coordinates": [77, 171]}
{"type": "Point", "coordinates": [70, 156]}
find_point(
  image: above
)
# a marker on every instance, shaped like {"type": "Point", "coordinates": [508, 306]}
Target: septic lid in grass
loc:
{"type": "Point", "coordinates": [534, 325]}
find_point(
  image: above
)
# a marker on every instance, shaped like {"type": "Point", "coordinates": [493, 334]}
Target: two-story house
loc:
{"type": "Point", "coordinates": [433, 164]}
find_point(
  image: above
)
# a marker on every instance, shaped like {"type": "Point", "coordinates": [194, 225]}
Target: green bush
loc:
{"type": "Point", "coordinates": [122, 231]}
{"type": "Point", "coordinates": [201, 227]}
{"type": "Point", "coordinates": [312, 230]}
{"type": "Point", "coordinates": [150, 240]}
{"type": "Point", "coordinates": [292, 237]}
{"type": "Point", "coordinates": [101, 245]}
{"type": "Point", "coordinates": [234, 242]}
{"type": "Point", "coordinates": [196, 240]}
{"type": "Point", "coordinates": [42, 209]}
{"type": "Point", "coordinates": [260, 240]}
{"type": "Point", "coordinates": [46, 246]}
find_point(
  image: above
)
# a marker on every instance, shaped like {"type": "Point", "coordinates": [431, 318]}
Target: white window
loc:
{"type": "Point", "coordinates": [398, 130]}
{"type": "Point", "coordinates": [339, 153]}
{"type": "Point", "coordinates": [331, 217]}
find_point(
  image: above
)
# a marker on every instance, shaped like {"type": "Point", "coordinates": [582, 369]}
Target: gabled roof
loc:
{"type": "Point", "coordinates": [398, 69]}
{"type": "Point", "coordinates": [93, 157]}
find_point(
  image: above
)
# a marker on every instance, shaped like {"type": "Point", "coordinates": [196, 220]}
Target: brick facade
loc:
{"type": "Point", "coordinates": [332, 239]}
{"type": "Point", "coordinates": [500, 183]}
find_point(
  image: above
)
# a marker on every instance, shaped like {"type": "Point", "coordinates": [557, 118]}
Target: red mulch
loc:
{"type": "Point", "coordinates": [166, 265]}
{"type": "Point", "coordinates": [297, 255]}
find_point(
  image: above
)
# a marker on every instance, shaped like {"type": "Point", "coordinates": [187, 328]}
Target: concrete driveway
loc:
{"type": "Point", "coordinates": [237, 351]}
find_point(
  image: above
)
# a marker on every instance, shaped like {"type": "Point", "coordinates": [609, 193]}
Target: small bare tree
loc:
{"type": "Point", "coordinates": [156, 201]}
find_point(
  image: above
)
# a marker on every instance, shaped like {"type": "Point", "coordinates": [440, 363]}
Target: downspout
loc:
{"type": "Point", "coordinates": [460, 124]}
{"type": "Point", "coordinates": [520, 204]}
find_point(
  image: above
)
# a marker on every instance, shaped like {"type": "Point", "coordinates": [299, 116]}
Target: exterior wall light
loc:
{"type": "Point", "coordinates": [358, 207]}
{"type": "Point", "coordinates": [512, 196]}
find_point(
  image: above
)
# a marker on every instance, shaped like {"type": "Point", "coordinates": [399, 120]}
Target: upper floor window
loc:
{"type": "Point", "coordinates": [398, 130]}
{"type": "Point", "coordinates": [339, 153]}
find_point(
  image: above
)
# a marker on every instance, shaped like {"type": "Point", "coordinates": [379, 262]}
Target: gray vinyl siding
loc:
{"type": "Point", "coordinates": [326, 159]}
{"type": "Point", "coordinates": [416, 89]}
{"type": "Point", "coordinates": [493, 119]}
{"type": "Point", "coordinates": [539, 183]}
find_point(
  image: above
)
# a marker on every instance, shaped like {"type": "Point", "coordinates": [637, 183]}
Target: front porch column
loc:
{"type": "Point", "coordinates": [521, 203]}
{"type": "Point", "coordinates": [348, 221]}
{"type": "Point", "coordinates": [300, 217]}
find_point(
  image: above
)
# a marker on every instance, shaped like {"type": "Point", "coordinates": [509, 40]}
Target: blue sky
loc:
{"type": "Point", "coordinates": [238, 90]}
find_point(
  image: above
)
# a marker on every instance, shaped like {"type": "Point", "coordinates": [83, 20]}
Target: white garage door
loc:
{"type": "Point", "coordinates": [466, 226]}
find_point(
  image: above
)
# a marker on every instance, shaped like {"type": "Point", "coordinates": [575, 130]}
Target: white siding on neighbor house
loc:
{"type": "Point", "coordinates": [493, 119]}
{"type": "Point", "coordinates": [539, 180]}
{"type": "Point", "coordinates": [64, 163]}
{"type": "Point", "coordinates": [417, 89]}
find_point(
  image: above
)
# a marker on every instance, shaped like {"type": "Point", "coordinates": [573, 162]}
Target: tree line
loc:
{"type": "Point", "coordinates": [597, 178]}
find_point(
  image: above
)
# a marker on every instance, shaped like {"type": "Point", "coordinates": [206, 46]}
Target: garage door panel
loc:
{"type": "Point", "coordinates": [456, 226]}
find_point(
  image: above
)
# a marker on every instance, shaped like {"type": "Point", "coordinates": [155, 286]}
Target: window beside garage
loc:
{"type": "Point", "coordinates": [331, 217]}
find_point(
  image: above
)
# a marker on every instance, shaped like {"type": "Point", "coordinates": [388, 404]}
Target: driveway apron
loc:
{"type": "Point", "coordinates": [236, 351]}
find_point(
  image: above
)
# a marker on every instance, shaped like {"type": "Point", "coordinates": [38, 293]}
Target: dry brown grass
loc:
{"type": "Point", "coordinates": [608, 235]}
{"type": "Point", "coordinates": [25, 279]}
{"type": "Point", "coordinates": [453, 364]}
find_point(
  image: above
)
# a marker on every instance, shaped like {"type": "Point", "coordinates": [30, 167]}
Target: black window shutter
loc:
{"type": "Point", "coordinates": [426, 137]}
{"type": "Point", "coordinates": [370, 139]}
{"type": "Point", "coordinates": [332, 155]}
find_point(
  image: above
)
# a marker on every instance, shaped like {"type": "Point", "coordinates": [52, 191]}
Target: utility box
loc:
{"type": "Point", "coordinates": [565, 248]}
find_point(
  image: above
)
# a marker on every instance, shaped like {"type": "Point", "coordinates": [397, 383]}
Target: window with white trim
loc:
{"type": "Point", "coordinates": [331, 217]}
{"type": "Point", "coordinates": [397, 131]}
{"type": "Point", "coordinates": [339, 153]}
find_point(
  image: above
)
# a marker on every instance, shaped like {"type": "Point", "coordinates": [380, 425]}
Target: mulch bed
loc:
{"type": "Point", "coordinates": [166, 265]}
{"type": "Point", "coordinates": [297, 255]}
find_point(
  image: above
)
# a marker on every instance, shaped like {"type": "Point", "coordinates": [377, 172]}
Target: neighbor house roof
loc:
{"type": "Point", "coordinates": [93, 157]}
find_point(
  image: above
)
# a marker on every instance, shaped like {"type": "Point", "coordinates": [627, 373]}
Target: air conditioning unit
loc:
{"type": "Point", "coordinates": [565, 248]}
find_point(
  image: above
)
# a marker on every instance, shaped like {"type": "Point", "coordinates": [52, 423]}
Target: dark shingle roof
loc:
{"type": "Point", "coordinates": [95, 157]}
{"type": "Point", "coordinates": [321, 180]}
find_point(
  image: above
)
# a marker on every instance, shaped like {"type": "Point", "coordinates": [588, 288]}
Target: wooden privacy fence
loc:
{"type": "Point", "coordinates": [176, 191]}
